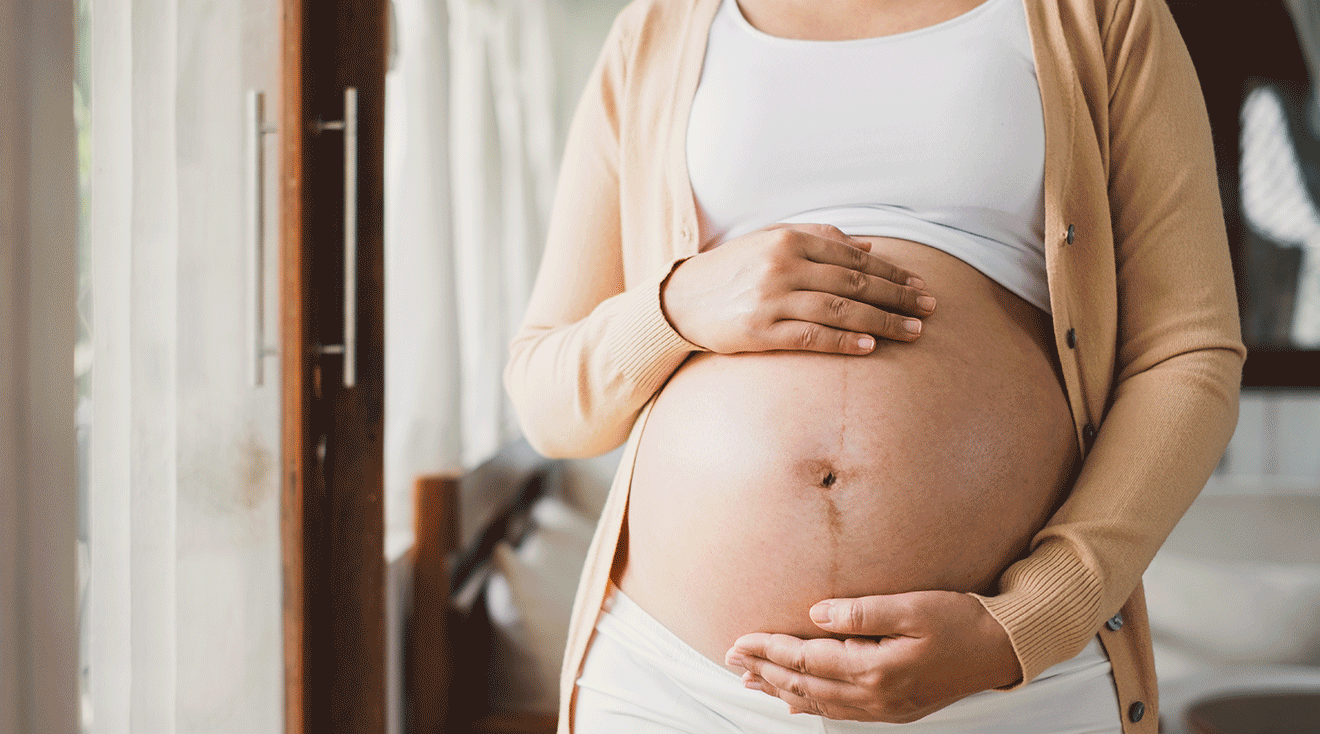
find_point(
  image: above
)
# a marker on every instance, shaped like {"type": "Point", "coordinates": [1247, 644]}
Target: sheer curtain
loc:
{"type": "Point", "coordinates": [471, 147]}
{"type": "Point", "coordinates": [184, 593]}
{"type": "Point", "coordinates": [477, 98]}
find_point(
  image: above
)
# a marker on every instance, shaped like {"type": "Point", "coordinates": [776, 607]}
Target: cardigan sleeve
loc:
{"type": "Point", "coordinates": [1174, 397]}
{"type": "Point", "coordinates": [590, 352]}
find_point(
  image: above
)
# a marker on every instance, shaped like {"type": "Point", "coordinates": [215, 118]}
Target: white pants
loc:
{"type": "Point", "coordinates": [639, 678]}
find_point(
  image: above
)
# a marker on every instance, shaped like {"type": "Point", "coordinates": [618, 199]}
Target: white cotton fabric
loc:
{"type": "Point", "coordinates": [641, 678]}
{"type": "Point", "coordinates": [935, 135]}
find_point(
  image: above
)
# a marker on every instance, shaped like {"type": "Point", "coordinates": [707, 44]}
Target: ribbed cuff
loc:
{"type": "Point", "coordinates": [649, 349]}
{"type": "Point", "coordinates": [1048, 603]}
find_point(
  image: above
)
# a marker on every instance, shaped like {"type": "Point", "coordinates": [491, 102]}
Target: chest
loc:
{"type": "Point", "coordinates": [849, 19]}
{"type": "Point", "coordinates": [942, 118]}
{"type": "Point", "coordinates": [661, 215]}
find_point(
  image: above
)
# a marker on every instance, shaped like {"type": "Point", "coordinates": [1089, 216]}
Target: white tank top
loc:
{"type": "Point", "coordinates": [935, 135]}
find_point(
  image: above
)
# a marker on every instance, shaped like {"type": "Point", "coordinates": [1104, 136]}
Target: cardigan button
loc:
{"type": "Point", "coordinates": [1069, 238]}
{"type": "Point", "coordinates": [1088, 435]}
{"type": "Point", "coordinates": [1136, 711]}
{"type": "Point", "coordinates": [1115, 622]}
{"type": "Point", "coordinates": [1072, 339]}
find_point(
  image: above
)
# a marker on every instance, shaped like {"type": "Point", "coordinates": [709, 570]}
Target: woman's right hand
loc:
{"type": "Point", "coordinates": [806, 287]}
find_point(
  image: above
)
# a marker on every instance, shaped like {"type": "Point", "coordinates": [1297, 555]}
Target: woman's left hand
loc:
{"type": "Point", "coordinates": [906, 656]}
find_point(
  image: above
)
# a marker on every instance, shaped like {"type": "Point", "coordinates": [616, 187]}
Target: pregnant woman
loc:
{"type": "Point", "coordinates": [918, 322]}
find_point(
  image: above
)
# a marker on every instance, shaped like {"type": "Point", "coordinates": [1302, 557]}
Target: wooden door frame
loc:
{"type": "Point", "coordinates": [332, 520]}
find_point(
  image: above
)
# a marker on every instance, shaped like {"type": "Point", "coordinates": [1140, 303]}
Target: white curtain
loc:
{"type": "Point", "coordinates": [184, 523]}
{"type": "Point", "coordinates": [476, 101]}
{"type": "Point", "coordinates": [470, 146]}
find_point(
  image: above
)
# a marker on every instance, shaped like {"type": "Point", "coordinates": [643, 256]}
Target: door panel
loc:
{"type": "Point", "coordinates": [223, 515]}
{"type": "Point", "coordinates": [333, 450]}
{"type": "Point", "coordinates": [227, 619]}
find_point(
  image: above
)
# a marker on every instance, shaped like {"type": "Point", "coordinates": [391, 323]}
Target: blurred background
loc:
{"type": "Point", "coordinates": [176, 595]}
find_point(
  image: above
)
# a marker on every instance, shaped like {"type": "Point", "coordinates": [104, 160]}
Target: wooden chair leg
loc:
{"type": "Point", "coordinates": [430, 654]}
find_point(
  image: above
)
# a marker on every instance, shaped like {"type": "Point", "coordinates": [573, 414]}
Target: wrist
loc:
{"type": "Point", "coordinates": [1001, 658]}
{"type": "Point", "coordinates": [669, 300]}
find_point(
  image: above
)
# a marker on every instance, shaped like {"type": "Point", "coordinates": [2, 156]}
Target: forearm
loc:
{"type": "Point", "coordinates": [1163, 436]}
{"type": "Point", "coordinates": [578, 387]}
{"type": "Point", "coordinates": [1170, 400]}
{"type": "Point", "coordinates": [593, 347]}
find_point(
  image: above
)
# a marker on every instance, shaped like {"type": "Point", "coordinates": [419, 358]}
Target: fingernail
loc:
{"type": "Point", "coordinates": [866, 343]}
{"type": "Point", "coordinates": [925, 303]}
{"type": "Point", "coordinates": [734, 658]}
{"type": "Point", "coordinates": [753, 685]}
{"type": "Point", "coordinates": [820, 613]}
{"type": "Point", "coordinates": [912, 325]}
{"type": "Point", "coordinates": [916, 282]}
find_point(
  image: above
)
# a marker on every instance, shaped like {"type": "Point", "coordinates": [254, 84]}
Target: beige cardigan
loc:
{"type": "Point", "coordinates": [1138, 270]}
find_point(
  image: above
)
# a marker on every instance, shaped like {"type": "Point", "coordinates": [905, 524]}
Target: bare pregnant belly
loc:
{"type": "Point", "coordinates": [767, 482]}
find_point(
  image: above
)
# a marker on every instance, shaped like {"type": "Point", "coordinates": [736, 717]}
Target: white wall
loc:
{"type": "Point", "coordinates": [38, 653]}
{"type": "Point", "coordinates": [1276, 448]}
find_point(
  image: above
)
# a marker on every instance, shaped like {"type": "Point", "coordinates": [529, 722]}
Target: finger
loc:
{"type": "Point", "coordinates": [799, 704]}
{"type": "Point", "coordinates": [825, 658]}
{"type": "Point", "coordinates": [873, 616]}
{"type": "Point", "coordinates": [810, 336]}
{"type": "Point", "coordinates": [835, 710]}
{"type": "Point", "coordinates": [829, 252]}
{"type": "Point", "coordinates": [820, 658]}
{"type": "Point", "coordinates": [843, 313]}
{"type": "Point", "coordinates": [755, 682]}
{"type": "Point", "coordinates": [804, 685]}
{"type": "Point", "coordinates": [828, 231]}
{"type": "Point", "coordinates": [859, 286]}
